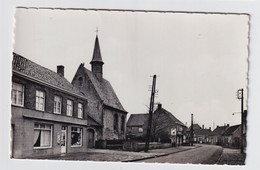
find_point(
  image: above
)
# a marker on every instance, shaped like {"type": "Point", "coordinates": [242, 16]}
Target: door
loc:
{"type": "Point", "coordinates": [90, 138]}
{"type": "Point", "coordinates": [63, 141]}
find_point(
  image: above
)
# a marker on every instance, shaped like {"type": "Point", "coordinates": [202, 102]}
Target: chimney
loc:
{"type": "Point", "coordinates": [209, 128]}
{"type": "Point", "coordinates": [159, 106]}
{"type": "Point", "coordinates": [217, 126]}
{"type": "Point", "coordinates": [60, 70]}
{"type": "Point", "coordinates": [227, 125]}
{"type": "Point", "coordinates": [202, 126]}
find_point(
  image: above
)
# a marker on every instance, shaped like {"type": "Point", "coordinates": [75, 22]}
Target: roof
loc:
{"type": "Point", "coordinates": [202, 131]}
{"type": "Point", "coordinates": [231, 130]}
{"type": "Point", "coordinates": [104, 90]}
{"type": "Point", "coordinates": [219, 130]}
{"type": "Point", "coordinates": [195, 127]}
{"type": "Point", "coordinates": [161, 110]}
{"type": "Point", "coordinates": [137, 119]}
{"type": "Point", "coordinates": [35, 71]}
{"type": "Point", "coordinates": [93, 122]}
{"type": "Point", "coordinates": [96, 54]}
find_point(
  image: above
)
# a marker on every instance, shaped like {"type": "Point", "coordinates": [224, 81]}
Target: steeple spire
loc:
{"type": "Point", "coordinates": [97, 62]}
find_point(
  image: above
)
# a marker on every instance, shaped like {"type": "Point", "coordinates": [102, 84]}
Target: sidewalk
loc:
{"type": "Point", "coordinates": [115, 155]}
{"type": "Point", "coordinates": [231, 157]}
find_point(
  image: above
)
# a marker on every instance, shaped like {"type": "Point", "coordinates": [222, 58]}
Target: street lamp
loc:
{"type": "Point", "coordinates": [241, 97]}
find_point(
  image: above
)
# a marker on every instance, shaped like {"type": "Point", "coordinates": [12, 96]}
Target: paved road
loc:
{"type": "Point", "coordinates": [207, 154]}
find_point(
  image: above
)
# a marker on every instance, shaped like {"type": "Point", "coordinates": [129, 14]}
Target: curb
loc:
{"type": "Point", "coordinates": [157, 156]}
{"type": "Point", "coordinates": [220, 156]}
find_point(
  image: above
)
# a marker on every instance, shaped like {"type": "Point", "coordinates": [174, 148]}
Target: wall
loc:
{"type": "Point", "coordinates": [108, 130]}
{"type": "Point", "coordinates": [23, 135]}
{"type": "Point", "coordinates": [30, 97]}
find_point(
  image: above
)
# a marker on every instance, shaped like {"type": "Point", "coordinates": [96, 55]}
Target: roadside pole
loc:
{"type": "Point", "coordinates": [148, 134]}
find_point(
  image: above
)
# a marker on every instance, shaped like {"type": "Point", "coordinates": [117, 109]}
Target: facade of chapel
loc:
{"type": "Point", "coordinates": [105, 107]}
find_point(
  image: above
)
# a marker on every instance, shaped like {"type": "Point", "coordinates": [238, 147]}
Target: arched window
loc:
{"type": "Point", "coordinates": [116, 122]}
{"type": "Point", "coordinates": [122, 123]}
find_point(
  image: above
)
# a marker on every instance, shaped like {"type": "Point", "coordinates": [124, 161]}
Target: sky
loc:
{"type": "Point", "coordinates": [200, 59]}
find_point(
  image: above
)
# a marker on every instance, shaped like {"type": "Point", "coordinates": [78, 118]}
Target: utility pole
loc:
{"type": "Point", "coordinates": [191, 131]}
{"type": "Point", "coordinates": [148, 134]}
{"type": "Point", "coordinates": [240, 95]}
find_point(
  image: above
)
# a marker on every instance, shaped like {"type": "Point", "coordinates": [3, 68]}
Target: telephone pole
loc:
{"type": "Point", "coordinates": [191, 131]}
{"type": "Point", "coordinates": [148, 134]}
{"type": "Point", "coordinates": [240, 95]}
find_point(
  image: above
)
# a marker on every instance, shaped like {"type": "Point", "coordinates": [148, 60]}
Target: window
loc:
{"type": "Point", "coordinates": [80, 110]}
{"type": "Point", "coordinates": [17, 94]}
{"type": "Point", "coordinates": [69, 107]}
{"type": "Point", "coordinates": [57, 104]}
{"type": "Point", "coordinates": [76, 136]}
{"type": "Point", "coordinates": [40, 100]}
{"type": "Point", "coordinates": [140, 130]}
{"type": "Point", "coordinates": [122, 124]}
{"type": "Point", "coordinates": [116, 122]}
{"type": "Point", "coordinates": [42, 135]}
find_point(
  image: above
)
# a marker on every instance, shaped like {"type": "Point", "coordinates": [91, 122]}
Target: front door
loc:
{"type": "Point", "coordinates": [63, 141]}
{"type": "Point", "coordinates": [90, 138]}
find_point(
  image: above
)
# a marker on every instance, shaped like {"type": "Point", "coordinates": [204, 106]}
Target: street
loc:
{"type": "Point", "coordinates": [206, 154]}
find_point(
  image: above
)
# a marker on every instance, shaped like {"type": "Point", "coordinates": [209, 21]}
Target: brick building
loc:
{"type": "Point", "coordinates": [136, 126]}
{"type": "Point", "coordinates": [165, 128]}
{"type": "Point", "coordinates": [50, 115]}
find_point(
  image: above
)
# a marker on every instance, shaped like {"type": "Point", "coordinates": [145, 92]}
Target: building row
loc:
{"type": "Point", "coordinates": [166, 128]}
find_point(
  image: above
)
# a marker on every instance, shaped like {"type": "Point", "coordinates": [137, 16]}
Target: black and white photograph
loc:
{"type": "Point", "coordinates": [129, 86]}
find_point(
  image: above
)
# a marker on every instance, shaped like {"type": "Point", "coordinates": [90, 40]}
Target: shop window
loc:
{"type": "Point", "coordinates": [42, 135]}
{"type": "Point", "coordinates": [40, 100]}
{"type": "Point", "coordinates": [76, 136]}
{"type": "Point", "coordinates": [17, 94]}
{"type": "Point", "coordinates": [57, 104]}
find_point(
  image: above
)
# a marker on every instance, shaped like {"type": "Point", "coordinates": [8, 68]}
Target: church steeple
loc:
{"type": "Point", "coordinates": [97, 62]}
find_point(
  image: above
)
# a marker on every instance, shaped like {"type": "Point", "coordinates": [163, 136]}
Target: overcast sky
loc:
{"type": "Point", "coordinates": [201, 59]}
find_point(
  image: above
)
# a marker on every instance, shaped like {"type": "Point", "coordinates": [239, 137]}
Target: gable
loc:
{"type": "Point", "coordinates": [99, 89]}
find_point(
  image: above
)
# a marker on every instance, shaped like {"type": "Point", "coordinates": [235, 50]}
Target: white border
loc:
{"type": "Point", "coordinates": [237, 6]}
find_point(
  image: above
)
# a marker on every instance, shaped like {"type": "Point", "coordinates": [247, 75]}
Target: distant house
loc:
{"type": "Point", "coordinates": [136, 126]}
{"type": "Point", "coordinates": [200, 134]}
{"type": "Point", "coordinates": [167, 128]}
{"type": "Point", "coordinates": [188, 133]}
{"type": "Point", "coordinates": [232, 136]}
{"type": "Point", "coordinates": [216, 135]}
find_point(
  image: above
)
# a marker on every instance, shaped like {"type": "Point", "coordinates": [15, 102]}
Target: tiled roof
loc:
{"type": "Point", "coordinates": [202, 131]}
{"type": "Point", "coordinates": [195, 127]}
{"type": "Point", "coordinates": [170, 115]}
{"type": "Point", "coordinates": [219, 130]}
{"type": "Point", "coordinates": [231, 130]}
{"type": "Point", "coordinates": [33, 70]}
{"type": "Point", "coordinates": [137, 119]}
{"type": "Point", "coordinates": [105, 91]}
